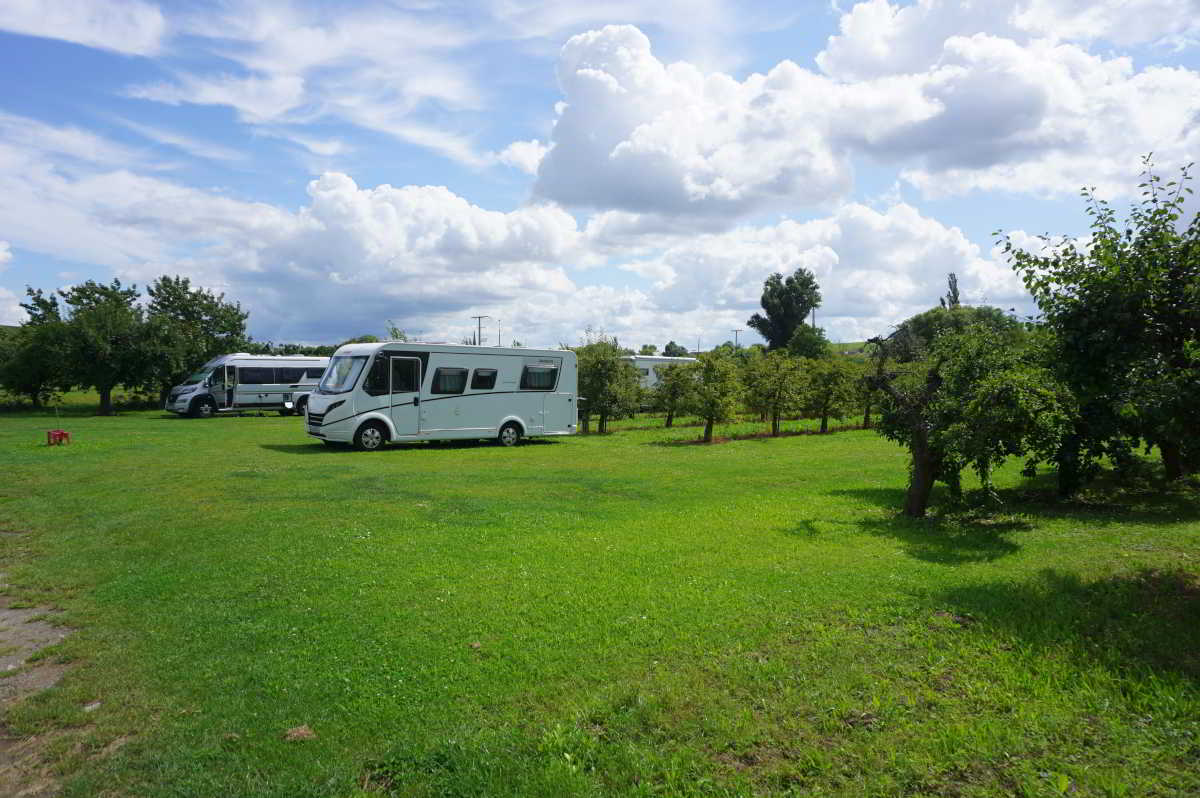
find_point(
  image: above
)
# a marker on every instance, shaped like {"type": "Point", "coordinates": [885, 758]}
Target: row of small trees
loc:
{"type": "Point", "coordinates": [771, 384]}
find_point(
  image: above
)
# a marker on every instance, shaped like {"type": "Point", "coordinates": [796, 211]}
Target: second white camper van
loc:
{"type": "Point", "coordinates": [407, 391]}
{"type": "Point", "coordinates": [247, 382]}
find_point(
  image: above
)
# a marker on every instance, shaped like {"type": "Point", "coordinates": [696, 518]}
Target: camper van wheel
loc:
{"type": "Point", "coordinates": [510, 434]}
{"type": "Point", "coordinates": [370, 437]}
{"type": "Point", "coordinates": [202, 408]}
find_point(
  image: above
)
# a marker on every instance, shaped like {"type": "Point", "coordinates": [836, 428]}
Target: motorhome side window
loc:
{"type": "Point", "coordinates": [289, 374]}
{"type": "Point", "coordinates": [376, 383]}
{"type": "Point", "coordinates": [483, 380]}
{"type": "Point", "coordinates": [314, 374]}
{"type": "Point", "coordinates": [255, 375]}
{"type": "Point", "coordinates": [449, 380]}
{"type": "Point", "coordinates": [539, 378]}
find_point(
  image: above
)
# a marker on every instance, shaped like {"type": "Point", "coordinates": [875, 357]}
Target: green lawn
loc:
{"type": "Point", "coordinates": [613, 615]}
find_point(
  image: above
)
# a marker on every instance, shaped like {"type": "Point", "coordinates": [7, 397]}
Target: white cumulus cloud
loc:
{"type": "Point", "coordinates": [124, 26]}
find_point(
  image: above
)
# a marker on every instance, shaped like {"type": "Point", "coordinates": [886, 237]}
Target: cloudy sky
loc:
{"type": "Point", "coordinates": [636, 167]}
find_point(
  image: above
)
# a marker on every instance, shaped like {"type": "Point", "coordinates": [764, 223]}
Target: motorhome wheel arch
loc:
{"type": "Point", "coordinates": [396, 391]}
{"type": "Point", "coordinates": [229, 383]}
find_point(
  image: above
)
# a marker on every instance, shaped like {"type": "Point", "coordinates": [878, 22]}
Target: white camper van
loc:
{"type": "Point", "coordinates": [247, 382]}
{"type": "Point", "coordinates": [648, 366]}
{"type": "Point", "coordinates": [408, 391]}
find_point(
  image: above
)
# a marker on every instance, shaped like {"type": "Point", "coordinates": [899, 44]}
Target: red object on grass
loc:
{"type": "Point", "coordinates": [57, 437]}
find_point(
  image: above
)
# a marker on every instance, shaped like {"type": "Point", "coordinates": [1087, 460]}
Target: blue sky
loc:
{"type": "Point", "coordinates": [633, 167]}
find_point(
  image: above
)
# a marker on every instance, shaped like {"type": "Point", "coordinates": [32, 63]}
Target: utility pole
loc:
{"type": "Point", "coordinates": [498, 333]}
{"type": "Point", "coordinates": [479, 330]}
{"type": "Point", "coordinates": [697, 343]}
{"type": "Point", "coordinates": [735, 335]}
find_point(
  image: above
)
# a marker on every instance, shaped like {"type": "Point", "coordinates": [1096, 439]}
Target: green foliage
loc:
{"type": "Point", "coordinates": [675, 384]}
{"type": "Point", "coordinates": [1124, 312]}
{"type": "Point", "coordinates": [916, 336]}
{"type": "Point", "coordinates": [608, 383]}
{"type": "Point", "coordinates": [976, 401]}
{"type": "Point", "coordinates": [648, 349]}
{"type": "Point", "coordinates": [776, 384]}
{"type": "Point", "coordinates": [107, 335]}
{"type": "Point", "coordinates": [786, 304]}
{"type": "Point", "coordinates": [186, 327]}
{"type": "Point", "coordinates": [673, 349]}
{"type": "Point", "coordinates": [717, 389]}
{"type": "Point", "coordinates": [394, 333]}
{"type": "Point", "coordinates": [808, 341]}
{"type": "Point", "coordinates": [33, 360]}
{"type": "Point", "coordinates": [829, 389]}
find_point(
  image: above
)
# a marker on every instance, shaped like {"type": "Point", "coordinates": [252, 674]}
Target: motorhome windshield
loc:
{"type": "Point", "coordinates": [342, 373]}
{"type": "Point", "coordinates": [197, 377]}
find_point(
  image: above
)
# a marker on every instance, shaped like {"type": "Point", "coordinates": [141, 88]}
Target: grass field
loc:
{"type": "Point", "coordinates": [601, 615]}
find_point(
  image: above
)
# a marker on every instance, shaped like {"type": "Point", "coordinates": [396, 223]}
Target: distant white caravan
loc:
{"type": "Point", "coordinates": [648, 366]}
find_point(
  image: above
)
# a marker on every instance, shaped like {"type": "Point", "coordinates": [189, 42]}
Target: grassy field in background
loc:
{"type": "Point", "coordinates": [599, 615]}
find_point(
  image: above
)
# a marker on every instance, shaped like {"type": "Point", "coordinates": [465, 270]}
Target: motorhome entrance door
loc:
{"type": "Point", "coordinates": [224, 391]}
{"type": "Point", "coordinates": [406, 395]}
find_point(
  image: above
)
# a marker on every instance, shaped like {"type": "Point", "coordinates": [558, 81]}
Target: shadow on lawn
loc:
{"type": "Point", "coordinates": [948, 540]}
{"type": "Point", "coordinates": [1150, 618]}
{"type": "Point", "coordinates": [409, 447]}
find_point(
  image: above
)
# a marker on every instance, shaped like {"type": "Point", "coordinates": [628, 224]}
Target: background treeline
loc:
{"type": "Point", "coordinates": [100, 336]}
{"type": "Point", "coordinates": [1111, 367]}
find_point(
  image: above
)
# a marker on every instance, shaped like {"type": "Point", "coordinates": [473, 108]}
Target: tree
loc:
{"type": "Point", "coordinates": [107, 332]}
{"type": "Point", "coordinates": [648, 349]}
{"type": "Point", "coordinates": [675, 383]}
{"type": "Point", "coordinates": [975, 401]}
{"type": "Point", "coordinates": [607, 381]}
{"type": "Point", "coordinates": [186, 327]}
{"type": "Point", "coordinates": [775, 384]}
{"type": "Point", "coordinates": [394, 333]}
{"type": "Point", "coordinates": [717, 389]}
{"type": "Point", "coordinates": [673, 349]}
{"type": "Point", "coordinates": [829, 390]}
{"type": "Point", "coordinates": [33, 361]}
{"type": "Point", "coordinates": [808, 341]}
{"type": "Point", "coordinates": [917, 334]}
{"type": "Point", "coordinates": [787, 304]}
{"type": "Point", "coordinates": [1124, 310]}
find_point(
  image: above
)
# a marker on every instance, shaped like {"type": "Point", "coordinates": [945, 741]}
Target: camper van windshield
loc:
{"type": "Point", "coordinates": [341, 374]}
{"type": "Point", "coordinates": [195, 378]}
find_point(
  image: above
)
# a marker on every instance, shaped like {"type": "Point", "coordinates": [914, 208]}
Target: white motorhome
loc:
{"type": "Point", "coordinates": [409, 391]}
{"type": "Point", "coordinates": [648, 366]}
{"type": "Point", "coordinates": [247, 382]}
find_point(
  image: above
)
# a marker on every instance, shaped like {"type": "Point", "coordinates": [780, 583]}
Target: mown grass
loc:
{"type": "Point", "coordinates": [601, 615]}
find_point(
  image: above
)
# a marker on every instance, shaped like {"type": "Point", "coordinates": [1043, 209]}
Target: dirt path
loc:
{"type": "Point", "coordinates": [24, 632]}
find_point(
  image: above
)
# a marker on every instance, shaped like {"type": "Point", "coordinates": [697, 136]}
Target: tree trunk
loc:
{"type": "Point", "coordinates": [708, 426]}
{"type": "Point", "coordinates": [920, 480]}
{"type": "Point", "coordinates": [1172, 459]}
{"type": "Point", "coordinates": [106, 406]}
{"type": "Point", "coordinates": [824, 423]}
{"type": "Point", "coordinates": [1068, 465]}
{"type": "Point", "coordinates": [603, 427]}
{"type": "Point", "coordinates": [587, 425]}
{"type": "Point", "coordinates": [775, 424]}
{"type": "Point", "coordinates": [670, 417]}
{"type": "Point", "coordinates": [36, 398]}
{"type": "Point", "coordinates": [163, 392]}
{"type": "Point", "coordinates": [867, 416]}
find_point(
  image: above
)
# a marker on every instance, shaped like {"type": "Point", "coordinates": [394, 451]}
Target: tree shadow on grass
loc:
{"type": "Point", "coordinates": [951, 539]}
{"type": "Point", "coordinates": [1150, 618]}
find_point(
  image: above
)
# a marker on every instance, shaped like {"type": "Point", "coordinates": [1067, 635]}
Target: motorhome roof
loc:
{"type": "Point", "coordinates": [369, 348]}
